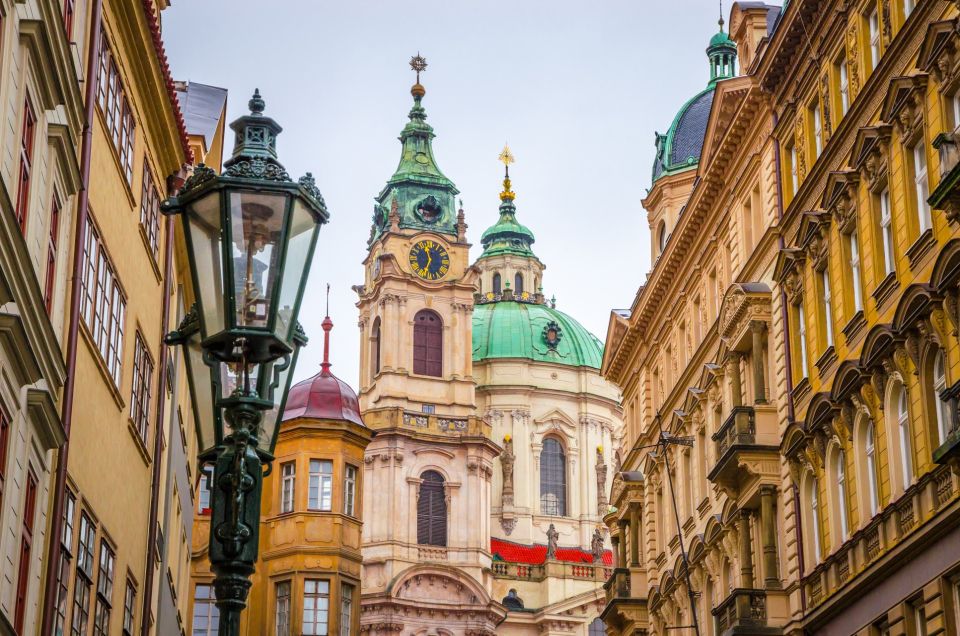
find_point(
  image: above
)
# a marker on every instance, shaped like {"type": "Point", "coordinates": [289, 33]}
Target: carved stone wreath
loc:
{"type": "Point", "coordinates": [552, 334]}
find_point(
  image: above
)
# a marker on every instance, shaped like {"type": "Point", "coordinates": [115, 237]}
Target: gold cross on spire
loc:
{"type": "Point", "coordinates": [506, 156]}
{"type": "Point", "coordinates": [418, 63]}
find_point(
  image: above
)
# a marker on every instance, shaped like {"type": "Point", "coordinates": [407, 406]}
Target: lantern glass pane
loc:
{"type": "Point", "coordinates": [302, 229]}
{"type": "Point", "coordinates": [206, 233]}
{"type": "Point", "coordinates": [201, 394]}
{"type": "Point", "coordinates": [275, 385]}
{"type": "Point", "coordinates": [257, 227]}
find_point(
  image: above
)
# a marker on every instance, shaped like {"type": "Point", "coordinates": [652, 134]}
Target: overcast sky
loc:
{"type": "Point", "coordinates": [577, 88]}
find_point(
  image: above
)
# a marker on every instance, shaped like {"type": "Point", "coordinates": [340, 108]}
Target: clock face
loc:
{"type": "Point", "coordinates": [429, 260]}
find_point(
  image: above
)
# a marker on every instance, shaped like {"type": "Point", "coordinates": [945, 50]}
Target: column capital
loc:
{"type": "Point", "coordinates": [758, 326]}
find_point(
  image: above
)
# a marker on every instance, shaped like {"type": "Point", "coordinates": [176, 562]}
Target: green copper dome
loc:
{"type": "Point", "coordinates": [721, 39]}
{"type": "Point", "coordinates": [535, 332]}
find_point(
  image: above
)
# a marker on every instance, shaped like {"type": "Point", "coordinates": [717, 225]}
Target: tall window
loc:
{"type": "Point", "coordinates": [873, 22]}
{"type": "Point", "coordinates": [140, 389]}
{"type": "Point", "coordinates": [903, 427]}
{"type": "Point", "coordinates": [69, 8]}
{"type": "Point", "coordinates": [349, 490]}
{"type": "Point", "coordinates": [518, 283]}
{"type": "Point", "coordinates": [4, 443]}
{"type": "Point", "coordinates": [150, 209]}
{"type": "Point", "coordinates": [26, 163]}
{"type": "Point", "coordinates": [427, 343]}
{"type": "Point", "coordinates": [129, 608]}
{"type": "Point", "coordinates": [844, 87]}
{"type": "Point", "coordinates": [814, 498]}
{"type": "Point", "coordinates": [203, 491]}
{"type": "Point", "coordinates": [553, 479]}
{"type": "Point", "coordinates": [113, 103]}
{"type": "Point", "coordinates": [921, 187]}
{"type": "Point", "coordinates": [375, 345]}
{"type": "Point", "coordinates": [206, 615]}
{"type": "Point", "coordinates": [103, 304]}
{"type": "Point", "coordinates": [101, 615]}
{"type": "Point", "coordinates": [870, 452]}
{"type": "Point", "coordinates": [432, 510]}
{"type": "Point", "coordinates": [52, 240]}
{"type": "Point", "coordinates": [939, 385]}
{"type": "Point", "coordinates": [321, 485]}
{"type": "Point", "coordinates": [802, 339]}
{"type": "Point", "coordinates": [886, 233]}
{"type": "Point", "coordinates": [288, 480]}
{"type": "Point", "coordinates": [596, 628]}
{"type": "Point", "coordinates": [66, 558]}
{"type": "Point", "coordinates": [84, 580]}
{"type": "Point", "coordinates": [346, 608]}
{"type": "Point", "coordinates": [497, 283]}
{"type": "Point", "coordinates": [794, 174]}
{"type": "Point", "coordinates": [841, 472]}
{"type": "Point", "coordinates": [827, 306]}
{"type": "Point", "coordinates": [661, 238]}
{"type": "Point", "coordinates": [855, 278]}
{"type": "Point", "coordinates": [316, 606]}
{"type": "Point", "coordinates": [26, 549]}
{"type": "Point", "coordinates": [817, 128]}
{"type": "Point", "coordinates": [283, 608]}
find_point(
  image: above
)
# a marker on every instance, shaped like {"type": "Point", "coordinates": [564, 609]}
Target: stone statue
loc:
{"type": "Point", "coordinates": [552, 537]}
{"type": "Point", "coordinates": [596, 546]}
{"type": "Point", "coordinates": [507, 458]}
{"type": "Point", "coordinates": [601, 483]}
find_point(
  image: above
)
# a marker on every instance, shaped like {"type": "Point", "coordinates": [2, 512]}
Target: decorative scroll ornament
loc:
{"type": "Point", "coordinates": [309, 184]}
{"type": "Point", "coordinates": [201, 175]}
{"type": "Point", "coordinates": [257, 168]}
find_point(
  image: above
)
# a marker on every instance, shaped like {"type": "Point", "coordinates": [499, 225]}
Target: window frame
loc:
{"type": "Point", "coordinates": [432, 509]}
{"type": "Point", "coordinates": [921, 185]}
{"type": "Point", "coordinates": [312, 600]}
{"type": "Point", "coordinates": [141, 386]}
{"type": "Point", "coordinates": [347, 593]}
{"type": "Point", "coordinates": [320, 485]}
{"type": "Point", "coordinates": [208, 602]}
{"type": "Point", "coordinates": [103, 609]}
{"type": "Point", "coordinates": [28, 135]}
{"type": "Point", "coordinates": [150, 210]}
{"type": "Point", "coordinates": [873, 38]}
{"type": "Point", "coordinates": [350, 474]}
{"type": "Point", "coordinates": [53, 239]}
{"type": "Point", "coordinates": [827, 291]}
{"type": "Point", "coordinates": [856, 271]}
{"type": "Point", "coordinates": [103, 304]}
{"type": "Point", "coordinates": [556, 484]}
{"type": "Point", "coordinates": [282, 606]}
{"type": "Point", "coordinates": [887, 237]}
{"type": "Point", "coordinates": [288, 487]}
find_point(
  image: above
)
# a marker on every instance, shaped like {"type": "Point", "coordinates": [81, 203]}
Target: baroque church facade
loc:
{"type": "Point", "coordinates": [486, 481]}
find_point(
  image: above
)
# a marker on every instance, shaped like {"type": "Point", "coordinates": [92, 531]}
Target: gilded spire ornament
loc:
{"type": "Point", "coordinates": [507, 158]}
{"type": "Point", "coordinates": [418, 63]}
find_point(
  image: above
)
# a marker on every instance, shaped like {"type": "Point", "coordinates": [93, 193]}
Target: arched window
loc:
{"type": "Point", "coordinates": [553, 479]}
{"type": "Point", "coordinates": [596, 628]}
{"type": "Point", "coordinates": [903, 429]}
{"type": "Point", "coordinates": [939, 384]}
{"type": "Point", "coordinates": [497, 284]}
{"type": "Point", "coordinates": [841, 476]}
{"type": "Point", "coordinates": [431, 510]}
{"type": "Point", "coordinates": [661, 237]}
{"type": "Point", "coordinates": [813, 500]}
{"type": "Point", "coordinates": [427, 343]}
{"type": "Point", "coordinates": [518, 284]}
{"type": "Point", "coordinates": [375, 346]}
{"type": "Point", "coordinates": [870, 452]}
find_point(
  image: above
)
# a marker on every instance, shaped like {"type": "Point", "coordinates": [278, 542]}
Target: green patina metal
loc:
{"type": "Point", "coordinates": [509, 329]}
{"type": "Point", "coordinates": [507, 236]}
{"type": "Point", "coordinates": [418, 193]}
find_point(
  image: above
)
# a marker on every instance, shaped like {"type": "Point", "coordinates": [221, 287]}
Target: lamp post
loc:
{"type": "Point", "coordinates": [250, 235]}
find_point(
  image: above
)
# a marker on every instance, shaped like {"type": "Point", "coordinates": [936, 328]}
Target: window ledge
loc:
{"type": "Point", "coordinates": [922, 248]}
{"type": "Point", "coordinates": [826, 361]}
{"type": "Point", "coordinates": [885, 290]}
{"type": "Point", "coordinates": [140, 443]}
{"type": "Point", "coordinates": [854, 329]}
{"type": "Point", "coordinates": [142, 231]}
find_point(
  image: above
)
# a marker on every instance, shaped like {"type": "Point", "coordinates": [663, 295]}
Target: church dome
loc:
{"type": "Point", "coordinates": [679, 149]}
{"type": "Point", "coordinates": [324, 396]}
{"type": "Point", "coordinates": [509, 329]}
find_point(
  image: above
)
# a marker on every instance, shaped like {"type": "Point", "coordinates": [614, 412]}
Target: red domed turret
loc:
{"type": "Point", "coordinates": [324, 396]}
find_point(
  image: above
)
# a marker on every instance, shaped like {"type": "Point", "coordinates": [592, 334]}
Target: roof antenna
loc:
{"type": "Point", "coordinates": [327, 326]}
{"type": "Point", "coordinates": [720, 21]}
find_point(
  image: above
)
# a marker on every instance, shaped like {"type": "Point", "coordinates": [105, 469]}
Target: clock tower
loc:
{"type": "Point", "coordinates": [428, 471]}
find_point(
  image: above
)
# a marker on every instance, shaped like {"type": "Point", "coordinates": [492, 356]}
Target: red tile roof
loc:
{"type": "Point", "coordinates": [161, 53]}
{"type": "Point", "coordinates": [536, 554]}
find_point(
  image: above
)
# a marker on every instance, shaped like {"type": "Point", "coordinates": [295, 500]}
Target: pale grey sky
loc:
{"type": "Point", "coordinates": [577, 88]}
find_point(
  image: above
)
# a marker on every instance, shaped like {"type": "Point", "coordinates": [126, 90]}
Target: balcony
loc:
{"type": "Point", "coordinates": [618, 585]}
{"type": "Point", "coordinates": [746, 449]}
{"type": "Point", "coordinates": [623, 611]}
{"type": "Point", "coordinates": [551, 569]}
{"type": "Point", "coordinates": [748, 611]}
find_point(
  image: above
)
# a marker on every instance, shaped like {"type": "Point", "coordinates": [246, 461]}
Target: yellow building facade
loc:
{"type": "Point", "coordinates": [817, 416]}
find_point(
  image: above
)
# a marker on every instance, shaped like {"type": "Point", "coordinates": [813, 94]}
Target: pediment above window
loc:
{"type": "Point", "coordinates": [743, 303]}
{"type": "Point", "coordinates": [813, 237]}
{"type": "Point", "coordinates": [869, 155]}
{"type": "Point", "coordinates": [840, 198]}
{"type": "Point", "coordinates": [939, 54]}
{"type": "Point", "coordinates": [904, 106]}
{"type": "Point", "coordinates": [789, 272]}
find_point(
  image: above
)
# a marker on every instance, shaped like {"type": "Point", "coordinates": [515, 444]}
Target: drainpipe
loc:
{"type": "Point", "coordinates": [788, 363]}
{"type": "Point", "coordinates": [66, 409]}
{"type": "Point", "coordinates": [158, 430]}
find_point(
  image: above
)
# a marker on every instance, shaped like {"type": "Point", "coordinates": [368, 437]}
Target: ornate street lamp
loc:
{"type": "Point", "coordinates": [250, 235]}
